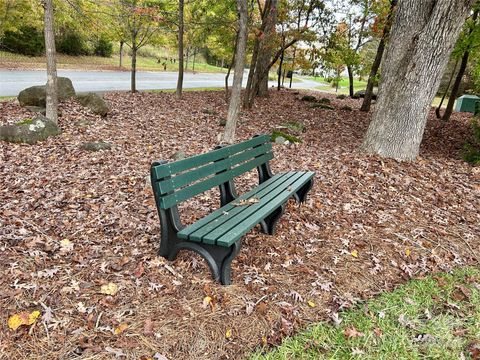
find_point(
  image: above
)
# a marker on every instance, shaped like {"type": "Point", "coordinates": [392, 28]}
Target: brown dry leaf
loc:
{"type": "Point", "coordinates": [246, 202]}
{"type": "Point", "coordinates": [461, 293]}
{"type": "Point", "coordinates": [148, 327]}
{"type": "Point", "coordinates": [352, 332]}
{"type": "Point", "coordinates": [139, 270]}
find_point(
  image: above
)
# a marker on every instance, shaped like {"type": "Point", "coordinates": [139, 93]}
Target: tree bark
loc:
{"type": "Point", "coordinates": [121, 54]}
{"type": "Point", "coordinates": [350, 81]}
{"type": "Point", "coordinates": [437, 109]}
{"type": "Point", "coordinates": [367, 100]}
{"type": "Point", "coordinates": [232, 62]}
{"type": "Point", "coordinates": [259, 82]}
{"type": "Point", "coordinates": [235, 98]}
{"type": "Point", "coordinates": [458, 79]}
{"type": "Point", "coordinates": [51, 111]}
{"type": "Point", "coordinates": [133, 85]}
{"type": "Point", "coordinates": [280, 69]}
{"type": "Point", "coordinates": [423, 35]}
{"type": "Point", "coordinates": [180, 49]}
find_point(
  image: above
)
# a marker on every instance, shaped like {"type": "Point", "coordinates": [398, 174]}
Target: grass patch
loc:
{"type": "Point", "coordinates": [97, 62]}
{"type": "Point", "coordinates": [343, 83]}
{"type": "Point", "coordinates": [433, 318]}
{"type": "Point", "coordinates": [6, 98]}
{"type": "Point", "coordinates": [26, 121]}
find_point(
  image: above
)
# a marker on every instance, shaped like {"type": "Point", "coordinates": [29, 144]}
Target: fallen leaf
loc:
{"type": "Point", "coordinates": [352, 332]}
{"type": "Point", "coordinates": [23, 318]}
{"type": "Point", "coordinates": [228, 334]}
{"type": "Point", "coordinates": [354, 253]}
{"type": "Point", "coordinates": [311, 303]}
{"type": "Point", "coordinates": [109, 289]}
{"type": "Point", "coordinates": [120, 328]}
{"type": "Point", "coordinates": [139, 270]}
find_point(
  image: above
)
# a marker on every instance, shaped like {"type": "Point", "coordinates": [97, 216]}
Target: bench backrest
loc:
{"type": "Point", "coordinates": [181, 180]}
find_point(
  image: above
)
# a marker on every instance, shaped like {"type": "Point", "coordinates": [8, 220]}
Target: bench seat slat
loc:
{"type": "Point", "coordinates": [230, 211]}
{"type": "Point", "coordinates": [241, 219]}
{"type": "Point", "coordinates": [165, 170]}
{"type": "Point", "coordinates": [191, 176]}
{"type": "Point", "coordinates": [232, 231]}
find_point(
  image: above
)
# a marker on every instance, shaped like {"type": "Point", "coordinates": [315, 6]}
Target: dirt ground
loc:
{"type": "Point", "coordinates": [72, 221]}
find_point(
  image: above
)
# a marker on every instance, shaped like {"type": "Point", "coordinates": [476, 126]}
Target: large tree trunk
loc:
{"type": "Point", "coordinates": [51, 88]}
{"type": "Point", "coordinates": [367, 100]}
{"type": "Point", "coordinates": [350, 81]}
{"type": "Point", "coordinates": [423, 35]}
{"type": "Point", "coordinates": [259, 82]}
{"type": "Point", "coordinates": [458, 79]}
{"type": "Point", "coordinates": [180, 49]}
{"type": "Point", "coordinates": [234, 106]}
{"type": "Point", "coordinates": [133, 84]}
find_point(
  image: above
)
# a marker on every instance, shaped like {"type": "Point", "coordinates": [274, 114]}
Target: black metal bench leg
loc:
{"type": "Point", "coordinates": [218, 258]}
{"type": "Point", "coordinates": [270, 222]}
{"type": "Point", "coordinates": [301, 194]}
{"type": "Point", "coordinates": [225, 271]}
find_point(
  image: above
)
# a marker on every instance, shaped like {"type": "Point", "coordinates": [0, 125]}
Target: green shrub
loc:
{"type": "Point", "coordinates": [472, 150]}
{"type": "Point", "coordinates": [27, 41]}
{"type": "Point", "coordinates": [72, 44]}
{"type": "Point", "coordinates": [103, 47]}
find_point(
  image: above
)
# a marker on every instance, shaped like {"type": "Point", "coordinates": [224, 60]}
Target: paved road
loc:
{"type": "Point", "coordinates": [12, 82]}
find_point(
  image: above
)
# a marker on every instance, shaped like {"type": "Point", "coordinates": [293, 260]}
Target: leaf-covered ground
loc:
{"type": "Point", "coordinates": [79, 230]}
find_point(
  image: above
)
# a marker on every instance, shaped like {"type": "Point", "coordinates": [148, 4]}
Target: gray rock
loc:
{"type": "Point", "coordinates": [280, 140]}
{"type": "Point", "coordinates": [179, 155]}
{"type": "Point", "coordinates": [308, 98]}
{"type": "Point", "coordinates": [36, 95]}
{"type": "Point", "coordinates": [94, 102]}
{"type": "Point", "coordinates": [29, 130]}
{"type": "Point", "coordinates": [32, 96]}
{"type": "Point", "coordinates": [65, 88]}
{"type": "Point", "coordinates": [361, 94]}
{"type": "Point", "coordinates": [96, 146]}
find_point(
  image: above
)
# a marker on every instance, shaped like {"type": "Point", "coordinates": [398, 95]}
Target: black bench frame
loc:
{"type": "Point", "coordinates": [218, 258]}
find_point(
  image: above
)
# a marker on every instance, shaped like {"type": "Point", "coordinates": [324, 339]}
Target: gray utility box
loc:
{"type": "Point", "coordinates": [466, 103]}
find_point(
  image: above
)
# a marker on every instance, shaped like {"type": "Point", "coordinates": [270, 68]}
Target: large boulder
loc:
{"type": "Point", "coordinates": [65, 88]}
{"type": "Point", "coordinates": [29, 130]}
{"type": "Point", "coordinates": [36, 95]}
{"type": "Point", "coordinates": [94, 102]}
{"type": "Point", "coordinates": [33, 96]}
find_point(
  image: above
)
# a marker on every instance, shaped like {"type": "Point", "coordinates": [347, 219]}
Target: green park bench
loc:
{"type": "Point", "coordinates": [217, 236]}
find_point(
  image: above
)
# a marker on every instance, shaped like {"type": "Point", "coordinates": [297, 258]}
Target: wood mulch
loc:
{"type": "Point", "coordinates": [72, 221]}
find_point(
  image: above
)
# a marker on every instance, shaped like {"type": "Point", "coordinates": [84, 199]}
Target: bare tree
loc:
{"type": "Point", "coordinates": [423, 35]}
{"type": "Point", "coordinates": [51, 88]}
{"type": "Point", "coordinates": [235, 98]}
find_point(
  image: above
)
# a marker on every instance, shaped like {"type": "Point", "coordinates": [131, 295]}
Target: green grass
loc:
{"type": "Point", "coordinates": [343, 83]}
{"type": "Point", "coordinates": [434, 318]}
{"type": "Point", "coordinates": [6, 98]}
{"type": "Point", "coordinates": [96, 62]}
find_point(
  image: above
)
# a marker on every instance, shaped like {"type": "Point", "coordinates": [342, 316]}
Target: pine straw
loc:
{"type": "Point", "coordinates": [403, 219]}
